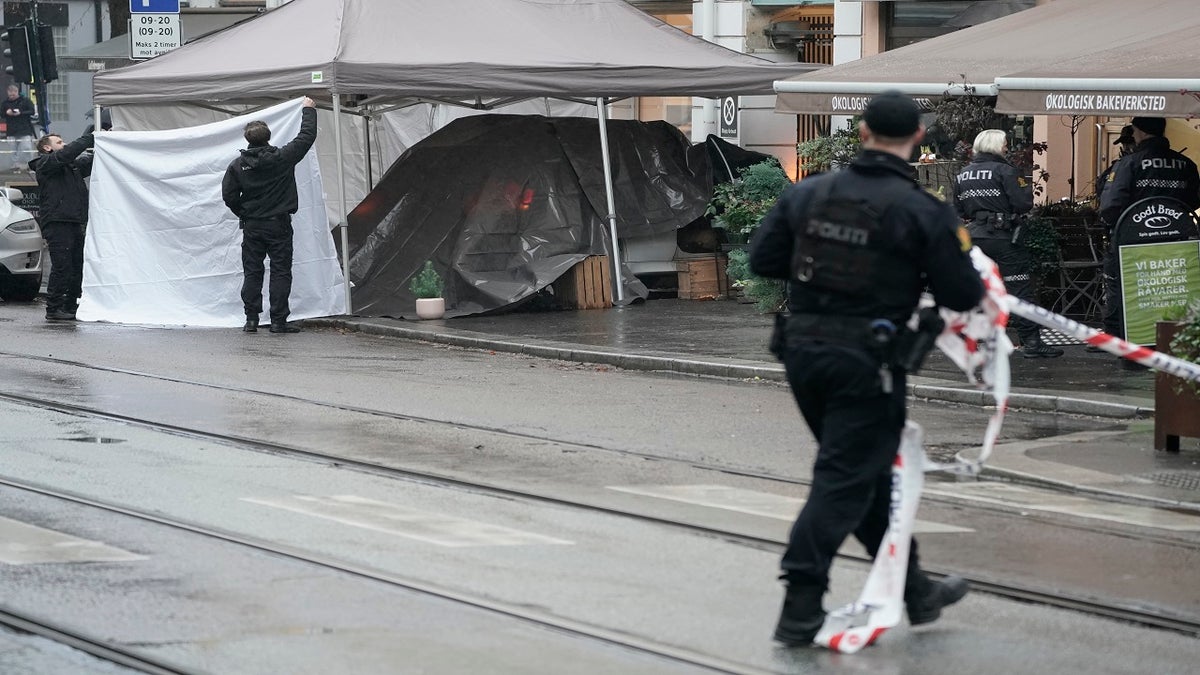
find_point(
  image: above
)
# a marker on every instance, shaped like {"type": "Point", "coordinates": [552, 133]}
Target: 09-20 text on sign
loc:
{"type": "Point", "coordinates": [153, 34]}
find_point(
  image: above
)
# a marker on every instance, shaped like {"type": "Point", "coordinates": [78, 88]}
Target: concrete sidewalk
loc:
{"type": "Point", "coordinates": [728, 339]}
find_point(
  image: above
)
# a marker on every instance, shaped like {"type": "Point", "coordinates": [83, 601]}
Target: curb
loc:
{"type": "Point", "coordinates": [726, 369]}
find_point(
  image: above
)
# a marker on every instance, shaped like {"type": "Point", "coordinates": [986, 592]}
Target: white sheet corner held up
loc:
{"type": "Point", "coordinates": [161, 246]}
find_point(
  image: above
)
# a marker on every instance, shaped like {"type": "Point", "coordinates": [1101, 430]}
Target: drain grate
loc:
{"type": "Point", "coordinates": [1184, 480]}
{"type": "Point", "coordinates": [94, 439]}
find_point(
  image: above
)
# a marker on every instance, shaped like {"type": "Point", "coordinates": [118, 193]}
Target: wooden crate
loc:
{"type": "Point", "coordinates": [587, 285]}
{"type": "Point", "coordinates": [703, 278]}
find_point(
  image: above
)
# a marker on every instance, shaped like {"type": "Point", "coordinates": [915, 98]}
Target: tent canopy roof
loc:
{"type": "Point", "coordinates": [448, 49]}
{"type": "Point", "coordinates": [1031, 39]}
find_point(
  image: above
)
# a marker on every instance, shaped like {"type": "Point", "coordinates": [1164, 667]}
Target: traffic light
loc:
{"type": "Point", "coordinates": [17, 51]}
{"type": "Point", "coordinates": [46, 53]}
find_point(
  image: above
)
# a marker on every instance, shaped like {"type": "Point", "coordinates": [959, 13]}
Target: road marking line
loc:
{"type": "Point", "coordinates": [1036, 499]}
{"type": "Point", "coordinates": [25, 544]}
{"type": "Point", "coordinates": [431, 528]}
{"type": "Point", "coordinates": [752, 502]}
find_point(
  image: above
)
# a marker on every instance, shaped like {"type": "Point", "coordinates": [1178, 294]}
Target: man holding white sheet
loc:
{"type": "Point", "coordinates": [260, 189]}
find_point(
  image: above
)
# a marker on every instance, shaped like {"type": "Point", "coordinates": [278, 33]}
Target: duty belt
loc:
{"type": "Point", "coordinates": [1000, 221]}
{"type": "Point", "coordinates": [839, 328]}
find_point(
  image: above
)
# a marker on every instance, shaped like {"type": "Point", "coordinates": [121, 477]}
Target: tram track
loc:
{"type": "Point", "coordinates": [105, 651]}
{"type": "Point", "coordinates": [727, 469]}
{"type": "Point", "coordinates": [707, 662]}
{"type": "Point", "coordinates": [1129, 614]}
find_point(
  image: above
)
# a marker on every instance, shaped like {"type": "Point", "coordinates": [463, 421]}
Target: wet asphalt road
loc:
{"type": "Point", "coordinates": [575, 433]}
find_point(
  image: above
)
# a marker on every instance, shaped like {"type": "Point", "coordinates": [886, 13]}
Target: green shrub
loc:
{"type": "Point", "coordinates": [426, 283]}
{"type": "Point", "coordinates": [740, 205]}
{"type": "Point", "coordinates": [1186, 343]}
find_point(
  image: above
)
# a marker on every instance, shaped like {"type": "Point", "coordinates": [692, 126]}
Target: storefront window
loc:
{"type": "Point", "coordinates": [914, 20]}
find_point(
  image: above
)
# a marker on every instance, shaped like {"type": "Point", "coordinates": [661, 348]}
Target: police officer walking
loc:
{"type": "Point", "coordinates": [857, 247]}
{"type": "Point", "coordinates": [993, 198]}
{"type": "Point", "coordinates": [1153, 169]}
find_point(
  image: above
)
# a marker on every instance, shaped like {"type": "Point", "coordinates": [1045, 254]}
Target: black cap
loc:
{"type": "Point", "coordinates": [1155, 126]}
{"type": "Point", "coordinates": [892, 114]}
{"type": "Point", "coordinates": [1126, 136]}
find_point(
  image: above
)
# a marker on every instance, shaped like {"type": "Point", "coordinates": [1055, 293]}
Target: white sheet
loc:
{"type": "Point", "coordinates": [161, 246]}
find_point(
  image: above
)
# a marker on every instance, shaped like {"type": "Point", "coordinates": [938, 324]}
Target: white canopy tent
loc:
{"type": "Point", "coordinates": [370, 55]}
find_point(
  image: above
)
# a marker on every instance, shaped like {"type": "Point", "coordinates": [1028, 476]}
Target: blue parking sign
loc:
{"type": "Point", "coordinates": [154, 6]}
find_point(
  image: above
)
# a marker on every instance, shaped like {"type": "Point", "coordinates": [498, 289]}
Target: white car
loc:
{"type": "Point", "coordinates": [20, 250]}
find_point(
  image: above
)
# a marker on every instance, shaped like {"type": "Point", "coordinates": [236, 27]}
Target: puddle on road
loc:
{"type": "Point", "coordinates": [93, 439]}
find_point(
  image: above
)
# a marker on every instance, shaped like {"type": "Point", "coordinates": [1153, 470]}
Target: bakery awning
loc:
{"type": "Point", "coordinates": [974, 58]}
{"type": "Point", "coordinates": [1157, 77]}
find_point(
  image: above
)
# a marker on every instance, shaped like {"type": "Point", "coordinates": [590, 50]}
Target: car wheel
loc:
{"type": "Point", "coordinates": [20, 288]}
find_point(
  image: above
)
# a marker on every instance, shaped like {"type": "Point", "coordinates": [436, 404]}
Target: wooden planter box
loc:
{"type": "Point", "coordinates": [1175, 414]}
{"type": "Point", "coordinates": [587, 285]}
{"type": "Point", "coordinates": [703, 278]}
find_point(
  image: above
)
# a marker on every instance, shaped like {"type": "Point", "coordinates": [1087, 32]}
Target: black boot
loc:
{"type": "Point", "coordinates": [1034, 348]}
{"type": "Point", "coordinates": [801, 617]}
{"type": "Point", "coordinates": [926, 598]}
{"type": "Point", "coordinates": [56, 309]}
{"type": "Point", "coordinates": [251, 325]}
{"type": "Point", "coordinates": [283, 327]}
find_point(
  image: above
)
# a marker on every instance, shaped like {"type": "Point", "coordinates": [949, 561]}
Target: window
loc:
{"type": "Point", "coordinates": [674, 109]}
{"type": "Point", "coordinates": [911, 21]}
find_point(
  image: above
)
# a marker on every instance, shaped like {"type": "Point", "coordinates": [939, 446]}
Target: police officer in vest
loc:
{"type": "Point", "coordinates": [1153, 169]}
{"type": "Point", "coordinates": [857, 247]}
{"type": "Point", "coordinates": [993, 199]}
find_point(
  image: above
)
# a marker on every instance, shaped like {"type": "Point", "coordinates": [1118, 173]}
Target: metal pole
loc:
{"type": "Point", "coordinates": [35, 65]}
{"type": "Point", "coordinates": [602, 114]}
{"type": "Point", "coordinates": [366, 118]}
{"type": "Point", "coordinates": [341, 170]}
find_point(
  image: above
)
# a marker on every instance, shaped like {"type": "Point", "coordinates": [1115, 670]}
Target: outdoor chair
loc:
{"type": "Point", "coordinates": [1079, 289]}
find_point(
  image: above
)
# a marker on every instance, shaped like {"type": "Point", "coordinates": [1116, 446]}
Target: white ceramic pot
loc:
{"type": "Point", "coordinates": [431, 308]}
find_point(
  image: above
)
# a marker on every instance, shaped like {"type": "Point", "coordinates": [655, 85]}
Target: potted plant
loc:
{"type": "Point", "coordinates": [738, 207]}
{"type": "Point", "coordinates": [825, 153]}
{"type": "Point", "coordinates": [426, 285]}
{"type": "Point", "coordinates": [1177, 401]}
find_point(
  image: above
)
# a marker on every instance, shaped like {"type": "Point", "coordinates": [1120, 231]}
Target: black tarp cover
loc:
{"type": "Point", "coordinates": [505, 204]}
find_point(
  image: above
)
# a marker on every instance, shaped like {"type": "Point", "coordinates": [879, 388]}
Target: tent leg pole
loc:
{"type": "Point", "coordinates": [341, 170]}
{"type": "Point", "coordinates": [367, 152]}
{"type": "Point", "coordinates": [602, 114]}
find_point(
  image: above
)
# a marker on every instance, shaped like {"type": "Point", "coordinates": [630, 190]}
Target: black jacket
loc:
{"type": "Point", "coordinates": [918, 228]}
{"type": "Point", "coordinates": [261, 183]}
{"type": "Point", "coordinates": [990, 185]}
{"type": "Point", "coordinates": [63, 192]}
{"type": "Point", "coordinates": [20, 124]}
{"type": "Point", "coordinates": [1153, 169]}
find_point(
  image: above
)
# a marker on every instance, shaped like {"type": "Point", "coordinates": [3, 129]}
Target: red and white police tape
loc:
{"type": "Point", "coordinates": [1115, 345]}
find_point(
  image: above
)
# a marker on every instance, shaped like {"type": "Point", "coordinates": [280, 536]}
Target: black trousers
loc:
{"type": "Point", "coordinates": [858, 427]}
{"type": "Point", "coordinates": [263, 239]}
{"type": "Point", "coordinates": [1114, 315]}
{"type": "Point", "coordinates": [1015, 264]}
{"type": "Point", "coordinates": [65, 286]}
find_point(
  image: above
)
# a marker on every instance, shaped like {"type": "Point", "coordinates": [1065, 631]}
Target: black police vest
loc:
{"type": "Point", "coordinates": [843, 247]}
